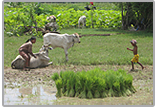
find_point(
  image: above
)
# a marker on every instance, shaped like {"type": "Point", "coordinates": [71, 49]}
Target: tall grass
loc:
{"type": "Point", "coordinates": [94, 83]}
{"type": "Point", "coordinates": [92, 50]}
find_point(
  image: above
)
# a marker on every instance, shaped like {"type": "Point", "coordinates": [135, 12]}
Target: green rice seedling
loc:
{"type": "Point", "coordinates": [68, 78]}
{"type": "Point", "coordinates": [110, 79]}
{"type": "Point", "coordinates": [59, 86]}
{"type": "Point", "coordinates": [104, 94]}
{"type": "Point", "coordinates": [71, 93]}
{"type": "Point", "coordinates": [133, 89]}
{"type": "Point", "coordinates": [83, 78]}
{"type": "Point", "coordinates": [97, 86]}
{"type": "Point", "coordinates": [72, 84]}
{"type": "Point", "coordinates": [55, 76]}
{"type": "Point", "coordinates": [128, 92]}
{"type": "Point", "coordinates": [116, 87]}
{"type": "Point", "coordinates": [77, 85]}
{"type": "Point", "coordinates": [89, 94]}
{"type": "Point", "coordinates": [89, 85]}
{"type": "Point", "coordinates": [64, 81]}
{"type": "Point", "coordinates": [82, 94]}
{"type": "Point", "coordinates": [67, 88]}
{"type": "Point", "coordinates": [102, 88]}
{"type": "Point", "coordinates": [128, 81]}
{"type": "Point", "coordinates": [65, 78]}
{"type": "Point", "coordinates": [96, 94]}
{"type": "Point", "coordinates": [120, 77]}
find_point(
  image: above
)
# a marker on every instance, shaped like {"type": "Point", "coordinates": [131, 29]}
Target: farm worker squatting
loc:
{"type": "Point", "coordinates": [25, 50]}
{"type": "Point", "coordinates": [136, 56]}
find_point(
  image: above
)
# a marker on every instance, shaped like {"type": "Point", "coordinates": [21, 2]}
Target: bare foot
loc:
{"type": "Point", "coordinates": [132, 70]}
{"type": "Point", "coordinates": [24, 69]}
{"type": "Point", "coordinates": [143, 68]}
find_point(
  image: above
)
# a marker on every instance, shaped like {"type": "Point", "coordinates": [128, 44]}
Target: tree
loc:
{"type": "Point", "coordinates": [140, 14]}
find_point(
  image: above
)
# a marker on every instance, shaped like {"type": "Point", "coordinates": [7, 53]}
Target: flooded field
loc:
{"type": "Point", "coordinates": [37, 95]}
{"type": "Point", "coordinates": [36, 87]}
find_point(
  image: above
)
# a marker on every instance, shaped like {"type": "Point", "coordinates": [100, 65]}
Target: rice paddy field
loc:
{"type": "Point", "coordinates": [104, 52]}
{"type": "Point", "coordinates": [97, 65]}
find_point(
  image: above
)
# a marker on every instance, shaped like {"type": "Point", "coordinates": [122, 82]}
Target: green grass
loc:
{"type": "Point", "coordinates": [92, 50]}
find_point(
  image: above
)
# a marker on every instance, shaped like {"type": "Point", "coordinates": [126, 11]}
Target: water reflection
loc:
{"type": "Point", "coordinates": [38, 95]}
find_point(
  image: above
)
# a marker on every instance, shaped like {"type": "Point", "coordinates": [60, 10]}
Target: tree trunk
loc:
{"type": "Point", "coordinates": [92, 10]}
{"type": "Point", "coordinates": [122, 17]}
{"type": "Point", "coordinates": [127, 16]}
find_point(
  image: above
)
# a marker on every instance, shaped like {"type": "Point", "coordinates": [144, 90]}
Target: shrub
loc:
{"type": "Point", "coordinates": [34, 14]}
{"type": "Point", "coordinates": [95, 83]}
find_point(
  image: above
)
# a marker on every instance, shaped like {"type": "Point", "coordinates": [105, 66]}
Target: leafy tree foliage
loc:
{"type": "Point", "coordinates": [20, 17]}
{"type": "Point", "coordinates": [140, 14]}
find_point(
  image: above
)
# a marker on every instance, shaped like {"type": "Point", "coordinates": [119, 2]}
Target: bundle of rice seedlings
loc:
{"type": "Point", "coordinates": [77, 86]}
{"type": "Point", "coordinates": [96, 94]}
{"type": "Point", "coordinates": [104, 94]}
{"type": "Point", "coordinates": [82, 94]}
{"type": "Point", "coordinates": [128, 80]}
{"type": "Point", "coordinates": [72, 84]}
{"type": "Point", "coordinates": [89, 85]}
{"type": "Point", "coordinates": [66, 93]}
{"type": "Point", "coordinates": [102, 88]}
{"type": "Point", "coordinates": [59, 86]}
{"type": "Point", "coordinates": [110, 79]}
{"type": "Point", "coordinates": [116, 87]}
{"type": "Point", "coordinates": [66, 85]}
{"type": "Point", "coordinates": [95, 83]}
{"type": "Point", "coordinates": [82, 77]}
{"type": "Point", "coordinates": [96, 87]}
{"type": "Point", "coordinates": [55, 76]}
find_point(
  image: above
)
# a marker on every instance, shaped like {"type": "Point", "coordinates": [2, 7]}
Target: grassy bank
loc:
{"type": "Point", "coordinates": [93, 50]}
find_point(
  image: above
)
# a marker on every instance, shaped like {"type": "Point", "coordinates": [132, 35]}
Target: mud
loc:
{"type": "Point", "coordinates": [16, 80]}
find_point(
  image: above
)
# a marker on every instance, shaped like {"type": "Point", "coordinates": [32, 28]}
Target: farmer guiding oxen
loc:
{"type": "Point", "coordinates": [64, 41]}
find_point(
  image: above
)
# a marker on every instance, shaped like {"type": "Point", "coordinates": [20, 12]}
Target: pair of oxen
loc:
{"type": "Point", "coordinates": [51, 41]}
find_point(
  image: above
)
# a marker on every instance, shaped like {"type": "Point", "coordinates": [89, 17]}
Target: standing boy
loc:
{"type": "Point", "coordinates": [136, 56]}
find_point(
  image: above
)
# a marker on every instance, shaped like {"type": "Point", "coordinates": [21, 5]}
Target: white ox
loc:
{"type": "Point", "coordinates": [82, 20]}
{"type": "Point", "coordinates": [64, 41]}
{"type": "Point", "coordinates": [42, 60]}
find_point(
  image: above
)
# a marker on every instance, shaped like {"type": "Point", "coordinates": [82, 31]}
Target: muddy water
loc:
{"type": "Point", "coordinates": [37, 95]}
